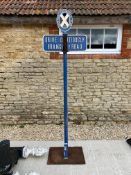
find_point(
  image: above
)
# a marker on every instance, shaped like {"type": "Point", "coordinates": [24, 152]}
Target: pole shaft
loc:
{"type": "Point", "coordinates": [65, 103]}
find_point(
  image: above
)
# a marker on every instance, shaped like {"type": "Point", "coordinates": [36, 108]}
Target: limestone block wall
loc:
{"type": "Point", "coordinates": [31, 84]}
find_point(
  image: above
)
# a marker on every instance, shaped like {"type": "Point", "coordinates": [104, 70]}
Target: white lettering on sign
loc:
{"type": "Point", "coordinates": [75, 39]}
{"type": "Point", "coordinates": [75, 47]}
{"type": "Point", "coordinates": [54, 46]}
{"type": "Point", "coordinates": [50, 39]}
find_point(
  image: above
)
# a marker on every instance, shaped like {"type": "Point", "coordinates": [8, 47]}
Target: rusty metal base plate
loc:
{"type": "Point", "coordinates": [56, 156]}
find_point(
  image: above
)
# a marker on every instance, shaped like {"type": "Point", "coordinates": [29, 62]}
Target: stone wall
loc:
{"type": "Point", "coordinates": [31, 84]}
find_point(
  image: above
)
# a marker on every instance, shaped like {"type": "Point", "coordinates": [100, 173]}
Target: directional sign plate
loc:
{"type": "Point", "coordinates": [54, 43]}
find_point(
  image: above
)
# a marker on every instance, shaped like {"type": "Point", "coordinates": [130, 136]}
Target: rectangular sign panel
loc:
{"type": "Point", "coordinates": [54, 43]}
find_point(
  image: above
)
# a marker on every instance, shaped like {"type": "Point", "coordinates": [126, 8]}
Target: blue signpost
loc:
{"type": "Point", "coordinates": [65, 43]}
{"type": "Point", "coordinates": [65, 50]}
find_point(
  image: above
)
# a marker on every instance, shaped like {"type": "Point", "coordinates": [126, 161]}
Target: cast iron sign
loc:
{"type": "Point", "coordinates": [64, 43]}
{"type": "Point", "coordinates": [54, 43]}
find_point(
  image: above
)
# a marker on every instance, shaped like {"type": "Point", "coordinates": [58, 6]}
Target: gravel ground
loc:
{"type": "Point", "coordinates": [99, 130]}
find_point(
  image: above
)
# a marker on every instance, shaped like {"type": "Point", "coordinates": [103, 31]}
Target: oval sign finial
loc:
{"type": "Point", "coordinates": [64, 20]}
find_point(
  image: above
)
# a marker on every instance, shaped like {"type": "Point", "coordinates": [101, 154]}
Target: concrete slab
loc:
{"type": "Point", "coordinates": [102, 158]}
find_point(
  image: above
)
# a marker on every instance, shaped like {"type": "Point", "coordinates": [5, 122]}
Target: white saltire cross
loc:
{"type": "Point", "coordinates": [64, 20]}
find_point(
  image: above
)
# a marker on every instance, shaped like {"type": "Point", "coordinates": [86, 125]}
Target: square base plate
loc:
{"type": "Point", "coordinates": [56, 156]}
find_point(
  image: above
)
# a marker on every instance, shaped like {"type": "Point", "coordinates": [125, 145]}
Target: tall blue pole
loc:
{"type": "Point", "coordinates": [65, 96]}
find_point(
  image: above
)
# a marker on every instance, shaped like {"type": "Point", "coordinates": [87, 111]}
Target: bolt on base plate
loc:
{"type": "Point", "coordinates": [56, 156]}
